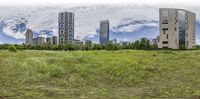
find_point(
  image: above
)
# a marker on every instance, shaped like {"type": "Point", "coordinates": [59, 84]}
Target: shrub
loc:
{"type": "Point", "coordinates": [12, 48]}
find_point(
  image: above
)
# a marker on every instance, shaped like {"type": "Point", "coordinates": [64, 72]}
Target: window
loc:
{"type": "Point", "coordinates": [165, 42]}
{"type": "Point", "coordinates": [176, 20]}
{"type": "Point", "coordinates": [167, 36]}
{"type": "Point", "coordinates": [165, 47]}
{"type": "Point", "coordinates": [175, 28]}
{"type": "Point", "coordinates": [165, 22]}
{"type": "Point", "coordinates": [165, 29]}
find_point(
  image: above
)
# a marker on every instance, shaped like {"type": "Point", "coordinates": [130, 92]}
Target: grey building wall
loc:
{"type": "Point", "coordinates": [48, 40]}
{"type": "Point", "coordinates": [177, 29]}
{"type": "Point", "coordinates": [66, 27]}
{"type": "Point", "coordinates": [40, 41]}
{"type": "Point", "coordinates": [35, 41]}
{"type": "Point", "coordinates": [54, 40]}
{"type": "Point", "coordinates": [29, 37]}
{"type": "Point", "coordinates": [104, 31]}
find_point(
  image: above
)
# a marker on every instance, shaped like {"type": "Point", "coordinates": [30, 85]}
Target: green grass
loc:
{"type": "Point", "coordinates": [100, 74]}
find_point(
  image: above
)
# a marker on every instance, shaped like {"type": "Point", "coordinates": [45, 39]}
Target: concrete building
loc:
{"type": "Point", "coordinates": [104, 31]}
{"type": "Point", "coordinates": [66, 27]}
{"type": "Point", "coordinates": [40, 41]}
{"type": "Point", "coordinates": [34, 41]}
{"type": "Point", "coordinates": [54, 40]}
{"type": "Point", "coordinates": [77, 42]}
{"type": "Point", "coordinates": [154, 41]}
{"type": "Point", "coordinates": [48, 40]}
{"type": "Point", "coordinates": [124, 43]}
{"type": "Point", "coordinates": [177, 29]}
{"type": "Point", "coordinates": [29, 37]}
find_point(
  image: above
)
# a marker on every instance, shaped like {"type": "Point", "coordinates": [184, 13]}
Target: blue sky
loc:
{"type": "Point", "coordinates": [128, 21]}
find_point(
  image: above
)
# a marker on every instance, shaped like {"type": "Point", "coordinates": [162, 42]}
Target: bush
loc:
{"type": "Point", "coordinates": [12, 48]}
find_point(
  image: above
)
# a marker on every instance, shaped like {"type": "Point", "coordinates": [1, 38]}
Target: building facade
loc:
{"type": "Point", "coordinates": [48, 40]}
{"type": "Point", "coordinates": [40, 41]}
{"type": "Point", "coordinates": [154, 41]}
{"type": "Point", "coordinates": [77, 42]}
{"type": "Point", "coordinates": [34, 41]}
{"type": "Point", "coordinates": [29, 37]}
{"type": "Point", "coordinates": [66, 27]}
{"type": "Point", "coordinates": [54, 40]}
{"type": "Point", "coordinates": [177, 29]}
{"type": "Point", "coordinates": [104, 31]}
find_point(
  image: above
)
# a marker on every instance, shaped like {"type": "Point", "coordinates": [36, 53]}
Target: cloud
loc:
{"type": "Point", "coordinates": [14, 27]}
{"type": "Point", "coordinates": [87, 18]}
{"type": "Point", "coordinates": [70, 2]}
{"type": "Point", "coordinates": [131, 25]}
{"type": "Point", "coordinates": [123, 18]}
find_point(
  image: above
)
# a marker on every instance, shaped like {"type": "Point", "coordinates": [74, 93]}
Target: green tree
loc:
{"type": "Point", "coordinates": [12, 48]}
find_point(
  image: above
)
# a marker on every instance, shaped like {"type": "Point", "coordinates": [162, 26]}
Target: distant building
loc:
{"type": "Point", "coordinates": [114, 41]}
{"type": "Point", "coordinates": [77, 42]}
{"type": "Point", "coordinates": [54, 40]}
{"type": "Point", "coordinates": [40, 40]}
{"type": "Point", "coordinates": [34, 41]}
{"type": "Point", "coordinates": [29, 37]}
{"type": "Point", "coordinates": [177, 29]}
{"type": "Point", "coordinates": [66, 27]}
{"type": "Point", "coordinates": [124, 43]}
{"type": "Point", "coordinates": [48, 40]}
{"type": "Point", "coordinates": [154, 41]}
{"type": "Point", "coordinates": [88, 42]}
{"type": "Point", "coordinates": [104, 31]}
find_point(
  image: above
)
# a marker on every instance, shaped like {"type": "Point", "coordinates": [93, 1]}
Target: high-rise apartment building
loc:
{"type": "Point", "coordinates": [66, 27]}
{"type": "Point", "coordinates": [29, 37]}
{"type": "Point", "coordinates": [177, 29]}
{"type": "Point", "coordinates": [104, 31]}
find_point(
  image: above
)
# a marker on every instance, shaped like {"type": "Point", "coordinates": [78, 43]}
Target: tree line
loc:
{"type": "Point", "coordinates": [143, 44]}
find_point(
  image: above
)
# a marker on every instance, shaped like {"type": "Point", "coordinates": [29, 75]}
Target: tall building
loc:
{"type": "Point", "coordinates": [40, 40]}
{"type": "Point", "coordinates": [177, 29]}
{"type": "Point", "coordinates": [29, 37]}
{"type": "Point", "coordinates": [54, 40]}
{"type": "Point", "coordinates": [48, 40]}
{"type": "Point", "coordinates": [104, 31]}
{"type": "Point", "coordinates": [66, 27]}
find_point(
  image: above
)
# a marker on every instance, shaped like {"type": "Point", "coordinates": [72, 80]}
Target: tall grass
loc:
{"type": "Point", "coordinates": [100, 74]}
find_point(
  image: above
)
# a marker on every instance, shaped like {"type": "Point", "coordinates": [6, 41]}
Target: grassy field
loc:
{"type": "Point", "coordinates": [100, 74]}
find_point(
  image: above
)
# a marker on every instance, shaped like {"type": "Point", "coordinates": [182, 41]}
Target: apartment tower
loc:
{"type": "Point", "coordinates": [104, 31]}
{"type": "Point", "coordinates": [177, 29]}
{"type": "Point", "coordinates": [66, 27]}
{"type": "Point", "coordinates": [29, 37]}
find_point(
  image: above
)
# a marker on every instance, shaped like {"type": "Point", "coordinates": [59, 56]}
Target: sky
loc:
{"type": "Point", "coordinates": [129, 20]}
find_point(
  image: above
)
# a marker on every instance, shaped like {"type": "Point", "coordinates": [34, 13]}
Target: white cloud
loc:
{"type": "Point", "coordinates": [198, 41]}
{"type": "Point", "coordinates": [56, 2]}
{"type": "Point", "coordinates": [131, 25]}
{"type": "Point", "coordinates": [87, 16]}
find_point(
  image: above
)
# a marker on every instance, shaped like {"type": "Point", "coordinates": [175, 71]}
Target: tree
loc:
{"type": "Point", "coordinates": [97, 47]}
{"type": "Point", "coordinates": [110, 46]}
{"type": "Point", "coordinates": [88, 45]}
{"type": "Point", "coordinates": [12, 48]}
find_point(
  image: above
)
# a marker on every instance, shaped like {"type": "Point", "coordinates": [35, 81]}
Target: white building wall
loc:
{"type": "Point", "coordinates": [170, 38]}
